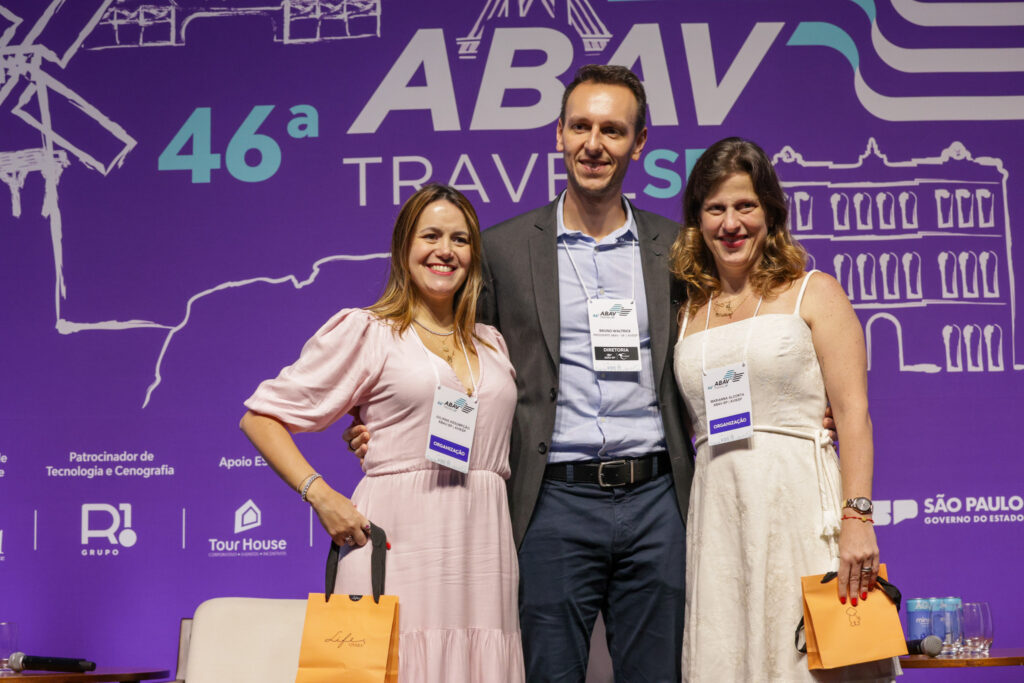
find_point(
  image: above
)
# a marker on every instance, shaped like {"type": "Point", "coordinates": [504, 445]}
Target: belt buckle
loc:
{"type": "Point", "coordinates": [603, 483]}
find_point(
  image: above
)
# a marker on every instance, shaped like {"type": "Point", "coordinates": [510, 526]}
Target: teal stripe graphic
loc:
{"type": "Point", "coordinates": [822, 34]}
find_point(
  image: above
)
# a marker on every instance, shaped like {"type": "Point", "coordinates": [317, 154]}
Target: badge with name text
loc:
{"type": "Point", "coordinates": [727, 403]}
{"type": "Point", "coordinates": [614, 335]}
{"type": "Point", "coordinates": [452, 424]}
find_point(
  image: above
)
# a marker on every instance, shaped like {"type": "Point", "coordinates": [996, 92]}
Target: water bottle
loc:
{"type": "Point", "coordinates": [938, 618]}
{"type": "Point", "coordinates": [919, 619]}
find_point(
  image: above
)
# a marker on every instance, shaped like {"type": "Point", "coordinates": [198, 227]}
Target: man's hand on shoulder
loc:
{"type": "Point", "coordinates": [827, 422]}
{"type": "Point", "coordinates": [357, 436]}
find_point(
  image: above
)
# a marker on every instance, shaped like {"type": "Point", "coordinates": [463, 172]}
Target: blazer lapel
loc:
{"type": "Point", "coordinates": [654, 248]}
{"type": "Point", "coordinates": [544, 275]}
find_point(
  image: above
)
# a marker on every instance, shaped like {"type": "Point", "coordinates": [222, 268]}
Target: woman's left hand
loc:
{"type": "Point", "coordinates": [858, 559]}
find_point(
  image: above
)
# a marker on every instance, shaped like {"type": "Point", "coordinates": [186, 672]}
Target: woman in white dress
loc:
{"type": "Point", "coordinates": [772, 504]}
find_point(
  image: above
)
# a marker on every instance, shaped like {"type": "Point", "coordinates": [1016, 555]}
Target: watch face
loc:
{"type": "Point", "coordinates": [861, 505]}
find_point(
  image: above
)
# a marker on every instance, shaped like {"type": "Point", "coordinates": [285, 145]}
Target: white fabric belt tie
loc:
{"type": "Point", "coordinates": [828, 479]}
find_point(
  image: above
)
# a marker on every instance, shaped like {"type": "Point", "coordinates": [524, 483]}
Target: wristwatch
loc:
{"type": "Point", "coordinates": [862, 505]}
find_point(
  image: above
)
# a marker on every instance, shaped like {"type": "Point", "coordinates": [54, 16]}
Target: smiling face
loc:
{"type": "Point", "coordinates": [598, 138]}
{"type": "Point", "coordinates": [732, 222]}
{"type": "Point", "coordinates": [439, 252]}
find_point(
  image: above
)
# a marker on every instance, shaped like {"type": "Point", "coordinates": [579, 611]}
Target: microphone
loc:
{"type": "Point", "coordinates": [931, 646]}
{"type": "Point", "coordinates": [20, 661]}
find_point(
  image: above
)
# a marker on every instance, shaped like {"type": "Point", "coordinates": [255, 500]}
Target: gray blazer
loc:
{"type": "Point", "coordinates": [520, 298]}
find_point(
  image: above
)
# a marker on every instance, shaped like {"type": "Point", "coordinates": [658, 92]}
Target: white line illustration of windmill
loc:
{"type": "Point", "coordinates": [70, 127]}
{"type": "Point", "coordinates": [142, 23]}
{"type": "Point", "coordinates": [579, 14]}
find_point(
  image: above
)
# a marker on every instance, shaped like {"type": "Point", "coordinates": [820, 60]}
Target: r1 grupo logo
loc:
{"type": "Point", "coordinates": [104, 521]}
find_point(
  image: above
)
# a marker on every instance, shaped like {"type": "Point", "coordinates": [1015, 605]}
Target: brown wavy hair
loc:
{"type": "Point", "coordinates": [782, 259]}
{"type": "Point", "coordinates": [398, 302]}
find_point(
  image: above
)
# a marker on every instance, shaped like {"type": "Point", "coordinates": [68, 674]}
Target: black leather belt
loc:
{"type": "Point", "coordinates": [609, 473]}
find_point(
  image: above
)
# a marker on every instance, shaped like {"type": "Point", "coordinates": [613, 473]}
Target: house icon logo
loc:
{"type": "Point", "coordinates": [247, 516]}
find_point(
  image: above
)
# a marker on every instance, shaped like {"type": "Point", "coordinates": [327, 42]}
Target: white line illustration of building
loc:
{"type": "Point", "coordinates": [580, 15]}
{"type": "Point", "coordinates": [137, 23]}
{"type": "Point", "coordinates": [922, 248]}
{"type": "Point", "coordinates": [68, 124]}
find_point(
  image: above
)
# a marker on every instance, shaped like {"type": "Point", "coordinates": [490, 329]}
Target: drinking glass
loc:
{"type": "Point", "coordinates": [974, 631]}
{"type": "Point", "coordinates": [8, 644]}
{"type": "Point", "coordinates": [953, 637]}
{"type": "Point", "coordinates": [986, 627]}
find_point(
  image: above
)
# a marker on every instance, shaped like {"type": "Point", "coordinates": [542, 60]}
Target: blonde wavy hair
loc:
{"type": "Point", "coordinates": [398, 302]}
{"type": "Point", "coordinates": [782, 260]}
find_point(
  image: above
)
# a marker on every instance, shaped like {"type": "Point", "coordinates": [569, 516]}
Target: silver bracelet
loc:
{"type": "Point", "coordinates": [307, 482]}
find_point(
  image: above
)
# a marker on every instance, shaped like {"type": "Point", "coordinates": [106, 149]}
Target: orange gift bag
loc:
{"type": "Point", "coordinates": [352, 638]}
{"type": "Point", "coordinates": [841, 635]}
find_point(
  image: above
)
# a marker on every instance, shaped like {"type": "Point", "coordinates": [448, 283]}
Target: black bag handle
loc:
{"type": "Point", "coordinates": [891, 591]}
{"type": "Point", "coordinates": [378, 560]}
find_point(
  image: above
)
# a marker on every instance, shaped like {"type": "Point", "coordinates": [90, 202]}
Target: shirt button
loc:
{"type": "Point", "coordinates": [554, 393]}
{"type": "Point", "coordinates": [542, 448]}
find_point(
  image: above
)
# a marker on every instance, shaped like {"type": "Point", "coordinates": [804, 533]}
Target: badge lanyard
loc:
{"type": "Point", "coordinates": [614, 330]}
{"type": "Point", "coordinates": [727, 400]}
{"type": "Point", "coordinates": [452, 418]}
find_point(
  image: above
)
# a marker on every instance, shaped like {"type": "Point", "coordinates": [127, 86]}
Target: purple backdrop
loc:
{"type": "Point", "coordinates": [196, 185]}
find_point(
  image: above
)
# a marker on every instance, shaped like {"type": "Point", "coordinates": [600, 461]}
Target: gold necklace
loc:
{"type": "Point", "coordinates": [724, 309]}
{"type": "Point", "coordinates": [447, 353]}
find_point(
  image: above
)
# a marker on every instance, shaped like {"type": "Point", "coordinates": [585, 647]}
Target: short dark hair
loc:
{"type": "Point", "coordinates": [610, 74]}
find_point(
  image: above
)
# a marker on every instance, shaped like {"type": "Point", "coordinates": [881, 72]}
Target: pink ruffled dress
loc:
{"type": "Point", "coordinates": [452, 561]}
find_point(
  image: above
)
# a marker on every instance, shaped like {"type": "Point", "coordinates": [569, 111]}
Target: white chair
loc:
{"type": "Point", "coordinates": [250, 640]}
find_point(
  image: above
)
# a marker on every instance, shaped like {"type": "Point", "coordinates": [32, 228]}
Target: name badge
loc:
{"type": "Point", "coordinates": [727, 404]}
{"type": "Point", "coordinates": [614, 335]}
{"type": "Point", "coordinates": [450, 433]}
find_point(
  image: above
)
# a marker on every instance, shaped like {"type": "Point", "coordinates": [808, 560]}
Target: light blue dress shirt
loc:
{"type": "Point", "coordinates": [601, 415]}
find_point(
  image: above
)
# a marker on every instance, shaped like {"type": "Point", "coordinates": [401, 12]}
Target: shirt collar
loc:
{"type": "Point", "coordinates": [626, 232]}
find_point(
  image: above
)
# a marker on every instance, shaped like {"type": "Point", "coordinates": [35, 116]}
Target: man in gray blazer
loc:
{"type": "Point", "coordinates": [601, 462]}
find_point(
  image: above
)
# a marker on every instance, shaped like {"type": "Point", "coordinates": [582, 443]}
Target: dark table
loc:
{"type": "Point", "coordinates": [115, 675]}
{"type": "Point", "coordinates": [1007, 656]}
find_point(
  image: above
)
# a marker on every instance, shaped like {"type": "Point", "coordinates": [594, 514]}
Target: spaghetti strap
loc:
{"type": "Point", "coordinates": [803, 287]}
{"type": "Point", "coordinates": [686, 319]}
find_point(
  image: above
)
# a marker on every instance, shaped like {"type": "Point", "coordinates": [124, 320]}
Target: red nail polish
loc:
{"type": "Point", "coordinates": [864, 595]}
{"type": "Point", "coordinates": [842, 600]}
{"type": "Point", "coordinates": [853, 601]}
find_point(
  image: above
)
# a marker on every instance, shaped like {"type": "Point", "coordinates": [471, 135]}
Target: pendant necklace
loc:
{"type": "Point", "coordinates": [447, 353]}
{"type": "Point", "coordinates": [725, 309]}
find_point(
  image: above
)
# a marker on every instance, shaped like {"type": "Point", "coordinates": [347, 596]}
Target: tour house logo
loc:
{"type": "Point", "coordinates": [247, 517]}
{"type": "Point", "coordinates": [106, 529]}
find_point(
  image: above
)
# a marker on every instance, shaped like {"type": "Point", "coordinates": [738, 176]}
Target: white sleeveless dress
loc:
{"type": "Point", "coordinates": [764, 511]}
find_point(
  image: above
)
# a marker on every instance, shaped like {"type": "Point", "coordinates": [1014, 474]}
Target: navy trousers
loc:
{"type": "Point", "coordinates": [617, 551]}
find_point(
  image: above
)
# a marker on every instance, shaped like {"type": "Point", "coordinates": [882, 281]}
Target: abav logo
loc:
{"type": "Point", "coordinates": [107, 526]}
{"type": "Point", "coordinates": [615, 310]}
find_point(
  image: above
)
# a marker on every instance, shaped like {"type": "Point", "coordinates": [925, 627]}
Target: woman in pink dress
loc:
{"type": "Point", "coordinates": [419, 370]}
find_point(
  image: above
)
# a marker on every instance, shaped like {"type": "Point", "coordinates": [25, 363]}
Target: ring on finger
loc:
{"type": "Point", "coordinates": [349, 540]}
{"type": "Point", "coordinates": [866, 570]}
